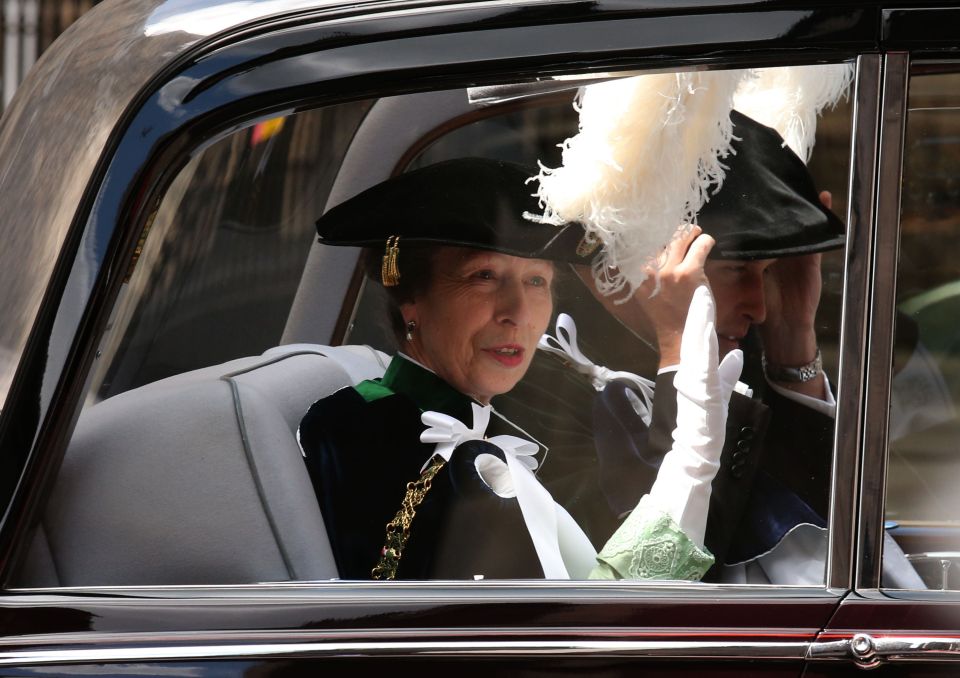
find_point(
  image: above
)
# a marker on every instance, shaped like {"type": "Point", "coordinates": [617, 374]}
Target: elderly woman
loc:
{"type": "Point", "coordinates": [412, 477]}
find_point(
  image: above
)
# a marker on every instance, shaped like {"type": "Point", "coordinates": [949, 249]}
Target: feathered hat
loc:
{"type": "Point", "coordinates": [651, 150]}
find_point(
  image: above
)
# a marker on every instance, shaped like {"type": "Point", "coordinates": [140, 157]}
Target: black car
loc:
{"type": "Point", "coordinates": [166, 318]}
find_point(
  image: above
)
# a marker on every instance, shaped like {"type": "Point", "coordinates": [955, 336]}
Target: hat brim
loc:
{"type": "Point", "coordinates": [468, 202]}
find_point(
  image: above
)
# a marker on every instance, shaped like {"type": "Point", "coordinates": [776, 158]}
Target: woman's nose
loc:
{"type": "Point", "coordinates": [512, 303]}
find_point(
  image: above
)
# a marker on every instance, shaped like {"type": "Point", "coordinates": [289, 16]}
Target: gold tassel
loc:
{"type": "Point", "coordinates": [389, 272]}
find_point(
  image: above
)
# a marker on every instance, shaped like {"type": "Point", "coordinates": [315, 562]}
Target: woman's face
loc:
{"type": "Point", "coordinates": [480, 319]}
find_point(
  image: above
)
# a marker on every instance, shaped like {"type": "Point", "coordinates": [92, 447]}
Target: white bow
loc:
{"type": "Point", "coordinates": [549, 526]}
{"type": "Point", "coordinates": [448, 432]}
{"type": "Point", "coordinates": [565, 346]}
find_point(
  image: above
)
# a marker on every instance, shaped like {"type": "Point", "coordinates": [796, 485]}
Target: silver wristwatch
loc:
{"type": "Point", "coordinates": [799, 374]}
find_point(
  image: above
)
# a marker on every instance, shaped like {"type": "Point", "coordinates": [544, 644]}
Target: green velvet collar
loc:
{"type": "Point", "coordinates": [426, 389]}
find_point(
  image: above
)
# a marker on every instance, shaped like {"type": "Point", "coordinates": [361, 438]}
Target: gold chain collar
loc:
{"type": "Point", "coordinates": [398, 529]}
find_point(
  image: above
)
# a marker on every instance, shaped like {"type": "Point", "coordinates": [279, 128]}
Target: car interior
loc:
{"type": "Point", "coordinates": [185, 468]}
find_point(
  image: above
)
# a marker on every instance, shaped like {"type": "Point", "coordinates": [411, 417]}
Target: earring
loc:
{"type": "Point", "coordinates": [411, 326]}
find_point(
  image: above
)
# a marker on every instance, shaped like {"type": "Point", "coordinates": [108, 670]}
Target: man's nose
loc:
{"type": "Point", "coordinates": [753, 302]}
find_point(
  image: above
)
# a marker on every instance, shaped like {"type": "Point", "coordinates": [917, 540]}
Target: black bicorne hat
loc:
{"type": "Point", "coordinates": [767, 206]}
{"type": "Point", "coordinates": [467, 202]}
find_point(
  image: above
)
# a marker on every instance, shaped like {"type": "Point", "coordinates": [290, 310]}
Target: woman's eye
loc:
{"type": "Point", "coordinates": [538, 281]}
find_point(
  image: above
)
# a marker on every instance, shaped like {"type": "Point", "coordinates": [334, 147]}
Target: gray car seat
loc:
{"type": "Point", "coordinates": [196, 479]}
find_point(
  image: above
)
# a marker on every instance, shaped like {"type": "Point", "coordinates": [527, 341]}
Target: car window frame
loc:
{"type": "Point", "coordinates": [126, 197]}
{"type": "Point", "coordinates": [879, 335]}
{"type": "Point", "coordinates": [875, 626]}
{"type": "Point", "coordinates": [899, 67]}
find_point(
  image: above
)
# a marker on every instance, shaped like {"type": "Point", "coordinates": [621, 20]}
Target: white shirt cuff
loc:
{"type": "Point", "coordinates": [826, 405]}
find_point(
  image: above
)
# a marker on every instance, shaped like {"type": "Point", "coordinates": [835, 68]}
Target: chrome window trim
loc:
{"type": "Point", "coordinates": [929, 595]}
{"type": "Point", "coordinates": [853, 344]}
{"type": "Point", "coordinates": [876, 402]}
{"type": "Point", "coordinates": [659, 649]}
{"type": "Point", "coordinates": [432, 591]}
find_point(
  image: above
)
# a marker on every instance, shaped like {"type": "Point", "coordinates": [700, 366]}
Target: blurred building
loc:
{"type": "Point", "coordinates": [27, 27]}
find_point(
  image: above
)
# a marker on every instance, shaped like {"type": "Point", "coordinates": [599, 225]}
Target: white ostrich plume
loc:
{"type": "Point", "coordinates": [790, 99]}
{"type": "Point", "coordinates": [650, 150]}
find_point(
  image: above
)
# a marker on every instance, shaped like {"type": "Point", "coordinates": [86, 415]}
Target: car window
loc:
{"type": "Point", "coordinates": [256, 408]}
{"type": "Point", "coordinates": [222, 257]}
{"type": "Point", "coordinates": [921, 497]}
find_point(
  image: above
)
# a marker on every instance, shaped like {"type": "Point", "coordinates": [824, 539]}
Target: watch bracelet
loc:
{"type": "Point", "coordinates": [794, 375]}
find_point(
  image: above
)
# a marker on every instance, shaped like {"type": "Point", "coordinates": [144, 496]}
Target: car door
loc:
{"type": "Point", "coordinates": [182, 195]}
{"type": "Point", "coordinates": [909, 629]}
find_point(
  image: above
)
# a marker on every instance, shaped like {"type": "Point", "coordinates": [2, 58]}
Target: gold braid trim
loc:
{"type": "Point", "coordinates": [398, 529]}
{"type": "Point", "coordinates": [389, 269]}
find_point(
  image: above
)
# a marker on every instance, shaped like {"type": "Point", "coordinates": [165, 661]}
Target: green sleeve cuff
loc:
{"type": "Point", "coordinates": [650, 545]}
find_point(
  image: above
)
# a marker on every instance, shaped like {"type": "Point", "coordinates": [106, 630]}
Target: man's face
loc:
{"type": "Point", "coordinates": [738, 287]}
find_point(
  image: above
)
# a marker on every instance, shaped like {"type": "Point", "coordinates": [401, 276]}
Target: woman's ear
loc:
{"type": "Point", "coordinates": [408, 315]}
{"type": "Point", "coordinates": [408, 310]}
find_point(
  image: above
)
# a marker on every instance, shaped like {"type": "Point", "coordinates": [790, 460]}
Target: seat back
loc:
{"type": "Point", "coordinates": [196, 479]}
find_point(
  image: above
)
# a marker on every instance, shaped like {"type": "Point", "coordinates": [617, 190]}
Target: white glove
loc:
{"type": "Point", "coordinates": [682, 488]}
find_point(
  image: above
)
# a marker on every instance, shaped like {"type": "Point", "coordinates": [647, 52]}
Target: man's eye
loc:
{"type": "Point", "coordinates": [485, 274]}
{"type": "Point", "coordinates": [538, 281]}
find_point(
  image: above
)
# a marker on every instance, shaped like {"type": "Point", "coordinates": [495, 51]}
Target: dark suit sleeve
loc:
{"type": "Point", "coordinates": [798, 450]}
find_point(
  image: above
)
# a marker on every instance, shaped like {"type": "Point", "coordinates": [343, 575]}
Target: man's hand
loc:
{"type": "Point", "coordinates": [681, 272]}
{"type": "Point", "coordinates": [792, 294]}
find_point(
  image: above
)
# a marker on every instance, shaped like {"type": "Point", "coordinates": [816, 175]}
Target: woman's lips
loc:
{"type": "Point", "coordinates": [508, 355]}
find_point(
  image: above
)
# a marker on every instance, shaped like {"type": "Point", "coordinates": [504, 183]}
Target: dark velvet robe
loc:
{"type": "Point", "coordinates": [601, 457]}
{"type": "Point", "coordinates": [362, 446]}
